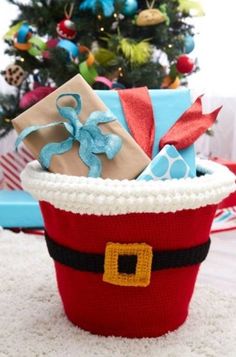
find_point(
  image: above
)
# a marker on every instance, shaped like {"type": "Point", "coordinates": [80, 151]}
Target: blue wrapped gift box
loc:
{"type": "Point", "coordinates": [168, 105]}
{"type": "Point", "coordinates": [19, 209]}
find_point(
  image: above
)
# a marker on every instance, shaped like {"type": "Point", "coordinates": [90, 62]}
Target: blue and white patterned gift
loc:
{"type": "Point", "coordinates": [167, 164]}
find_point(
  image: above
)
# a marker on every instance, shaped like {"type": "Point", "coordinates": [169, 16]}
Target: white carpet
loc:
{"type": "Point", "coordinates": [32, 321]}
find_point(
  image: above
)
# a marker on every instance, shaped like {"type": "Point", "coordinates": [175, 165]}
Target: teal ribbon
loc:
{"type": "Point", "coordinates": [89, 135]}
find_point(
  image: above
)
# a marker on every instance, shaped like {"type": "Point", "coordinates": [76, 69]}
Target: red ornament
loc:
{"type": "Point", "coordinates": [184, 64]}
{"type": "Point", "coordinates": [66, 29]}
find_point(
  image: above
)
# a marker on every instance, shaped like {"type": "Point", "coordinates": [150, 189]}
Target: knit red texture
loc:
{"type": "Point", "coordinates": [189, 127]}
{"type": "Point", "coordinates": [137, 107]}
{"type": "Point", "coordinates": [107, 309]}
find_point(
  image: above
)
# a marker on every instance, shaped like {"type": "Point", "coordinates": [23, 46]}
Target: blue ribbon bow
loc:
{"type": "Point", "coordinates": [89, 135]}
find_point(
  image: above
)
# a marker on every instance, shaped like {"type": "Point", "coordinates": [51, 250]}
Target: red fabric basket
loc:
{"type": "Point", "coordinates": [84, 214]}
{"type": "Point", "coordinates": [127, 311]}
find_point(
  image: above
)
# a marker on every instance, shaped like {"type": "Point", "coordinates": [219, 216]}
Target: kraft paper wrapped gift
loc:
{"type": "Point", "coordinates": [128, 162]}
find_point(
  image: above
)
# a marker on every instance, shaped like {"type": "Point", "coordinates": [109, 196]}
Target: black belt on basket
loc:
{"type": "Point", "coordinates": [93, 262]}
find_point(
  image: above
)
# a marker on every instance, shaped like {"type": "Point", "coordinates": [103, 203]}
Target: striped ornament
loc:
{"type": "Point", "coordinates": [12, 163]}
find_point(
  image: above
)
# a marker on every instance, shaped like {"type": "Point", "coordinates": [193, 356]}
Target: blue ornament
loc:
{"type": "Point", "coordinates": [70, 47]}
{"type": "Point", "coordinates": [188, 44]}
{"type": "Point", "coordinates": [106, 5]}
{"type": "Point", "coordinates": [130, 7]}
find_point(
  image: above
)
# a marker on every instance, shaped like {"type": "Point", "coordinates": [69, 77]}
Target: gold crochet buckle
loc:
{"type": "Point", "coordinates": [128, 264]}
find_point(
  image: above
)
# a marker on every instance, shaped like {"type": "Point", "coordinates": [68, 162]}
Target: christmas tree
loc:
{"type": "Point", "coordinates": [114, 44]}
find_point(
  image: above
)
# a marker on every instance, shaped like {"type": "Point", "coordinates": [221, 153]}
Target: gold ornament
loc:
{"type": "Point", "coordinates": [150, 16]}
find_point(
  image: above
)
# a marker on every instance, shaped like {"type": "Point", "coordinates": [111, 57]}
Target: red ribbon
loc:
{"type": "Point", "coordinates": [137, 107]}
{"type": "Point", "coordinates": [187, 129]}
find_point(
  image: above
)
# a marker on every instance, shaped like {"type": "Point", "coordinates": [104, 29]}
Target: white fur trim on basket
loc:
{"type": "Point", "coordinates": [111, 197]}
